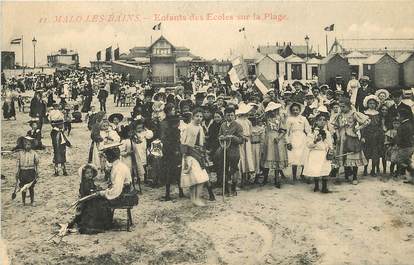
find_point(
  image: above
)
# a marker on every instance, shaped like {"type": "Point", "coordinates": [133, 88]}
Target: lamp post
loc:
{"type": "Point", "coordinates": [307, 54]}
{"type": "Point", "coordinates": [34, 41]}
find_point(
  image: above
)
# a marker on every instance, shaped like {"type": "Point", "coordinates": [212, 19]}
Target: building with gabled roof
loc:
{"type": "Point", "coordinates": [332, 66]}
{"type": "Point", "coordinates": [383, 70]}
{"type": "Point", "coordinates": [406, 61]}
{"type": "Point", "coordinates": [167, 62]}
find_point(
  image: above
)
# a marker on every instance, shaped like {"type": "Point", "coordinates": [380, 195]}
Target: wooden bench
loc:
{"type": "Point", "coordinates": [129, 216]}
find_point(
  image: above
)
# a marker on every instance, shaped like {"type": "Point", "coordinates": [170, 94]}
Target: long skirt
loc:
{"type": "Point", "coordinates": [9, 110]}
{"type": "Point", "coordinates": [274, 154]}
{"type": "Point", "coordinates": [257, 155]}
{"type": "Point", "coordinates": [171, 169]}
{"type": "Point", "coordinates": [194, 174]}
{"type": "Point", "coordinates": [246, 158]}
{"type": "Point", "coordinates": [94, 216]}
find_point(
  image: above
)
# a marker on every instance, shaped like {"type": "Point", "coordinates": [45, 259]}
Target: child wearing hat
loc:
{"type": "Point", "coordinates": [230, 137]}
{"type": "Point", "coordinates": [372, 134]}
{"type": "Point", "coordinates": [36, 134]}
{"type": "Point", "coordinates": [391, 149]}
{"type": "Point", "coordinates": [55, 114]}
{"type": "Point", "coordinates": [319, 142]}
{"type": "Point", "coordinates": [115, 119]}
{"type": "Point", "coordinates": [27, 167]}
{"type": "Point", "coordinates": [59, 143]}
{"type": "Point", "coordinates": [275, 156]}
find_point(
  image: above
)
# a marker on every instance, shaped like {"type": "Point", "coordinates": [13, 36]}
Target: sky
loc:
{"type": "Point", "coordinates": [129, 24]}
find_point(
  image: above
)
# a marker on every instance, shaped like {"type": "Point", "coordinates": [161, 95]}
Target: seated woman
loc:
{"type": "Point", "coordinates": [95, 215]}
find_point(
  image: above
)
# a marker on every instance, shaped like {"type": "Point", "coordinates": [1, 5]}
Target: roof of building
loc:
{"type": "Point", "coordinates": [277, 49]}
{"type": "Point", "coordinates": [330, 57]}
{"type": "Point", "coordinates": [373, 59]}
{"type": "Point", "coordinates": [294, 59]}
{"type": "Point", "coordinates": [184, 59]}
{"type": "Point", "coordinates": [404, 57]}
{"type": "Point", "coordinates": [313, 61]}
{"type": "Point", "coordinates": [141, 59]}
{"type": "Point", "coordinates": [127, 64]}
{"type": "Point", "coordinates": [161, 38]}
{"type": "Point", "coordinates": [356, 54]}
{"type": "Point", "coordinates": [276, 57]}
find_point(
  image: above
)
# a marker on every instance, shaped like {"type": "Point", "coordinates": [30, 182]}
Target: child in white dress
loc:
{"type": "Point", "coordinates": [318, 164]}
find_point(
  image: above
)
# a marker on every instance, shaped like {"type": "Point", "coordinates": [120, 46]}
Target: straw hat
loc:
{"type": "Point", "coordinates": [272, 106]}
{"type": "Point", "coordinates": [243, 109]}
{"type": "Point", "coordinates": [368, 98]}
{"type": "Point", "coordinates": [109, 146]}
{"type": "Point", "coordinates": [301, 107]}
{"type": "Point", "coordinates": [380, 91]}
{"type": "Point", "coordinates": [119, 116]}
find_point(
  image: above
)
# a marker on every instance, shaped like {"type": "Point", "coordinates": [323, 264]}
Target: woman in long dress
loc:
{"type": "Point", "coordinates": [297, 130]}
{"type": "Point", "coordinates": [275, 152]}
{"type": "Point", "coordinates": [9, 110]}
{"type": "Point", "coordinates": [194, 173]}
{"type": "Point", "coordinates": [246, 164]}
{"type": "Point", "coordinates": [94, 215]}
{"type": "Point", "coordinates": [348, 125]}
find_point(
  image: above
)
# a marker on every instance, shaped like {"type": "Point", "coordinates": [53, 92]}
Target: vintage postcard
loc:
{"type": "Point", "coordinates": [207, 132]}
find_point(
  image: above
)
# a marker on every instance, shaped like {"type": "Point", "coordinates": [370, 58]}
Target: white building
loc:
{"type": "Point", "coordinates": [295, 68]}
{"type": "Point", "coordinates": [356, 60]}
{"type": "Point", "coordinates": [270, 66]}
{"type": "Point", "coordinates": [63, 57]}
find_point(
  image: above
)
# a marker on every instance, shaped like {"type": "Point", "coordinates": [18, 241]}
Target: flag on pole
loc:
{"type": "Point", "coordinates": [239, 67]}
{"type": "Point", "coordinates": [262, 84]}
{"type": "Point", "coordinates": [98, 56]}
{"type": "Point", "coordinates": [116, 54]}
{"type": "Point", "coordinates": [242, 29]}
{"type": "Point", "coordinates": [234, 78]}
{"type": "Point", "coordinates": [157, 27]}
{"type": "Point", "coordinates": [108, 53]}
{"type": "Point", "coordinates": [16, 41]}
{"type": "Point", "coordinates": [330, 28]}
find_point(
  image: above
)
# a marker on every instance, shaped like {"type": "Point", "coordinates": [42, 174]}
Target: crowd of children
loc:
{"type": "Point", "coordinates": [182, 136]}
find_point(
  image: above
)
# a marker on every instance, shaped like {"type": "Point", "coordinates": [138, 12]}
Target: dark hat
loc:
{"type": "Point", "coordinates": [56, 122]}
{"type": "Point", "coordinates": [119, 116]}
{"type": "Point", "coordinates": [396, 93]}
{"type": "Point", "coordinates": [297, 82]}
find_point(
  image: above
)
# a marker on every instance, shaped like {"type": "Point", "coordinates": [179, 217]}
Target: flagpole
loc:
{"type": "Point", "coordinates": [22, 55]}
